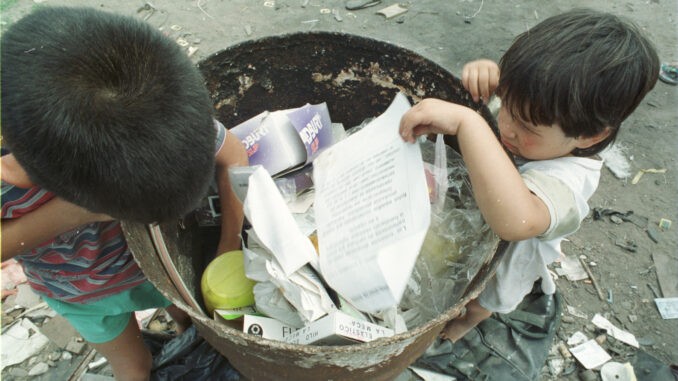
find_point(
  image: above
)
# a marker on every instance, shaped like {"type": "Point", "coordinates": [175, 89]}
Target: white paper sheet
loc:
{"type": "Point", "coordinates": [20, 342]}
{"type": "Point", "coordinates": [274, 225]}
{"type": "Point", "coordinates": [302, 289]}
{"type": "Point", "coordinates": [614, 331]}
{"type": "Point", "coordinates": [372, 209]}
{"type": "Point", "coordinates": [590, 354]}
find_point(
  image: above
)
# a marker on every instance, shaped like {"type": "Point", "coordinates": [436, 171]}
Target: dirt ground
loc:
{"type": "Point", "coordinates": [633, 261]}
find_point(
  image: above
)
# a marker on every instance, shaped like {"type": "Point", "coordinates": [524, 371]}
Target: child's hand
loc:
{"type": "Point", "coordinates": [480, 78]}
{"type": "Point", "coordinates": [431, 116]}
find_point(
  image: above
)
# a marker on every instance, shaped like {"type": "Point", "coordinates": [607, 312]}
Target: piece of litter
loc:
{"type": "Point", "coordinates": [428, 375]}
{"type": "Point", "coordinates": [97, 363]}
{"type": "Point", "coordinates": [571, 269]}
{"type": "Point", "coordinates": [615, 160]}
{"type": "Point", "coordinates": [590, 354]}
{"type": "Point", "coordinates": [182, 42]}
{"type": "Point", "coordinates": [556, 366]}
{"type": "Point", "coordinates": [325, 11]}
{"type": "Point", "coordinates": [577, 338]}
{"type": "Point", "coordinates": [21, 341]}
{"type": "Point", "coordinates": [614, 371]}
{"type": "Point", "coordinates": [176, 27]}
{"type": "Point", "coordinates": [38, 369]}
{"type": "Point", "coordinates": [270, 4]}
{"type": "Point", "coordinates": [653, 234]}
{"type": "Point", "coordinates": [576, 313]}
{"type": "Point", "coordinates": [191, 50]}
{"type": "Point", "coordinates": [618, 333]}
{"type": "Point", "coordinates": [640, 173]}
{"type": "Point", "coordinates": [336, 15]}
{"type": "Point", "coordinates": [664, 224]}
{"type": "Point", "coordinates": [392, 11]}
{"type": "Point", "coordinates": [668, 307]}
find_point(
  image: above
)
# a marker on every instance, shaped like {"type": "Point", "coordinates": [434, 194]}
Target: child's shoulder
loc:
{"type": "Point", "coordinates": [563, 163]}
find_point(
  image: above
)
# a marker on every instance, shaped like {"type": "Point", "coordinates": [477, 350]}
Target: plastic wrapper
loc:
{"type": "Point", "coordinates": [457, 243]}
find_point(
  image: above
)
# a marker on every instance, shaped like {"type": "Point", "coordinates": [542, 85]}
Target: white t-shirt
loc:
{"type": "Point", "coordinates": [564, 184]}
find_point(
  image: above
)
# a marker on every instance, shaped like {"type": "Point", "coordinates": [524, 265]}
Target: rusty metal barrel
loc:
{"type": "Point", "coordinates": [357, 77]}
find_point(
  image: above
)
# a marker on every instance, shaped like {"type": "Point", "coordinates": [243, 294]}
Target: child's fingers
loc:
{"type": "Point", "coordinates": [471, 82]}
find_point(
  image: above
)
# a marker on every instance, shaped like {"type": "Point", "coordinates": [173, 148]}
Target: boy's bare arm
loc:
{"type": "Point", "coordinates": [232, 153]}
{"type": "Point", "coordinates": [51, 219]}
{"type": "Point", "coordinates": [510, 209]}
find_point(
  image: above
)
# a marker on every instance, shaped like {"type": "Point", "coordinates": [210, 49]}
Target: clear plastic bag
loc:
{"type": "Point", "coordinates": [457, 243]}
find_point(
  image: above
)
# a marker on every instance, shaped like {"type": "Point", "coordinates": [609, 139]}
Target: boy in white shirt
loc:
{"type": "Point", "coordinates": [566, 85]}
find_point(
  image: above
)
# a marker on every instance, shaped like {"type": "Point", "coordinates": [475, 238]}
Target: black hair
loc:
{"type": "Point", "coordinates": [584, 70]}
{"type": "Point", "coordinates": [107, 113]}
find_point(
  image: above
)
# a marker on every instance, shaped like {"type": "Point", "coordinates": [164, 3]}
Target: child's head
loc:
{"type": "Point", "coordinates": [583, 70]}
{"type": "Point", "coordinates": [106, 112]}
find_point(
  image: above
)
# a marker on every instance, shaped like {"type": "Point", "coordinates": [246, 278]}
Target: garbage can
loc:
{"type": "Point", "coordinates": [357, 77]}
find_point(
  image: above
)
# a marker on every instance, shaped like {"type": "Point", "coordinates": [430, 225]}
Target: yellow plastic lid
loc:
{"type": "Point", "coordinates": [224, 284]}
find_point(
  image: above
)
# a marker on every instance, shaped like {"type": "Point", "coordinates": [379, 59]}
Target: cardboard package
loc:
{"type": "Point", "coordinates": [337, 328]}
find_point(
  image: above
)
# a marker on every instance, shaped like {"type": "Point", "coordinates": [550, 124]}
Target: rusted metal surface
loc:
{"type": "Point", "coordinates": [357, 77]}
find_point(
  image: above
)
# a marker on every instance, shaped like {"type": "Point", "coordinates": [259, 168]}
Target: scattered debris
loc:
{"type": "Point", "coordinates": [97, 363]}
{"type": "Point", "coordinates": [667, 273]}
{"type": "Point", "coordinates": [38, 369]}
{"type": "Point", "coordinates": [615, 160]}
{"type": "Point", "coordinates": [571, 269]}
{"type": "Point", "coordinates": [148, 8]}
{"type": "Point", "coordinates": [640, 173]}
{"type": "Point", "coordinates": [590, 354]}
{"type": "Point", "coordinates": [664, 224]}
{"type": "Point", "coordinates": [668, 307]}
{"type": "Point", "coordinates": [617, 333]}
{"type": "Point", "coordinates": [629, 216]}
{"type": "Point", "coordinates": [576, 313]}
{"type": "Point", "coordinates": [21, 341]}
{"type": "Point", "coordinates": [352, 5]}
{"type": "Point", "coordinates": [336, 15]}
{"type": "Point", "coordinates": [393, 11]}
{"type": "Point", "coordinates": [614, 371]}
{"type": "Point", "coordinates": [593, 279]}
{"type": "Point", "coordinates": [653, 234]}
{"type": "Point", "coordinates": [628, 245]}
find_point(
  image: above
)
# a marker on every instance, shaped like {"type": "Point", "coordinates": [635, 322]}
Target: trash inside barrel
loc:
{"type": "Point", "coordinates": [357, 78]}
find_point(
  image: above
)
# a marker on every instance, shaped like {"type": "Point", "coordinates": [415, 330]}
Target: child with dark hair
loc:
{"type": "Point", "coordinates": [103, 117]}
{"type": "Point", "coordinates": [566, 86]}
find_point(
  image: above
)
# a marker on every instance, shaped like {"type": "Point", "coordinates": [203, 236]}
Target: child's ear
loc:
{"type": "Point", "coordinates": [13, 173]}
{"type": "Point", "coordinates": [586, 142]}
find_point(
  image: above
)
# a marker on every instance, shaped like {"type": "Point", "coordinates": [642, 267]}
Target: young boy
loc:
{"type": "Point", "coordinates": [566, 85]}
{"type": "Point", "coordinates": [103, 117]}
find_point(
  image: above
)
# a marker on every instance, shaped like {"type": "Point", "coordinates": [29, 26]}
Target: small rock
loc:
{"type": "Point", "coordinates": [645, 341]}
{"type": "Point", "coordinates": [156, 325]}
{"type": "Point", "coordinates": [54, 355]}
{"type": "Point", "coordinates": [38, 369]}
{"type": "Point", "coordinates": [74, 346]}
{"type": "Point", "coordinates": [18, 372]}
{"type": "Point", "coordinates": [66, 355]}
{"type": "Point", "coordinates": [51, 363]}
{"type": "Point", "coordinates": [588, 375]}
{"type": "Point", "coordinates": [556, 366]}
{"type": "Point", "coordinates": [633, 318]}
{"type": "Point", "coordinates": [600, 339]}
